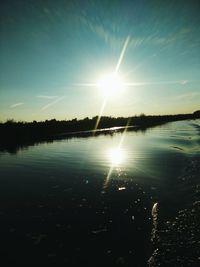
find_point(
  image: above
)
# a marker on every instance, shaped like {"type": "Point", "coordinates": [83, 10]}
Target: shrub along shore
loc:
{"type": "Point", "coordinates": [12, 132]}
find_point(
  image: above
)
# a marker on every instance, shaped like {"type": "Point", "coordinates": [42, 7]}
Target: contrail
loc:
{"type": "Point", "coordinates": [156, 83]}
{"type": "Point", "coordinates": [53, 103]}
{"type": "Point", "coordinates": [86, 84]}
{"type": "Point", "coordinates": [47, 96]}
{"type": "Point", "coordinates": [16, 105]}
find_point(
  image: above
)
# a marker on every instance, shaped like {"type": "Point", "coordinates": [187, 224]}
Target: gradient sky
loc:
{"type": "Point", "coordinates": [49, 48]}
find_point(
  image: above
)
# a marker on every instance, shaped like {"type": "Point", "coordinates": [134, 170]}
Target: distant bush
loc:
{"type": "Point", "coordinates": [197, 113]}
{"type": "Point", "coordinates": [10, 121]}
{"type": "Point", "coordinates": [12, 131]}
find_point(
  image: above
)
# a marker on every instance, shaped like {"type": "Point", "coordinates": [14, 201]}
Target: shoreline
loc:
{"type": "Point", "coordinates": [17, 135]}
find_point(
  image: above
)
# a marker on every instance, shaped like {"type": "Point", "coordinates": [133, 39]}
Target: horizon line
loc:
{"type": "Point", "coordinates": [105, 116]}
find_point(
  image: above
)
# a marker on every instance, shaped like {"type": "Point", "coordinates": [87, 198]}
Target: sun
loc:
{"type": "Point", "coordinates": [111, 85]}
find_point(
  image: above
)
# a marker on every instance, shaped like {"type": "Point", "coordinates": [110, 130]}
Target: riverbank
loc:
{"type": "Point", "coordinates": [19, 134]}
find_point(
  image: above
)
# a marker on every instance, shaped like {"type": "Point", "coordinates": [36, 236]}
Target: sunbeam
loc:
{"type": "Point", "coordinates": [111, 83]}
{"type": "Point", "coordinates": [122, 54]}
{"type": "Point", "coordinates": [100, 114]}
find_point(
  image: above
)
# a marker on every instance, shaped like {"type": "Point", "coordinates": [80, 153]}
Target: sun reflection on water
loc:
{"type": "Point", "coordinates": [116, 156]}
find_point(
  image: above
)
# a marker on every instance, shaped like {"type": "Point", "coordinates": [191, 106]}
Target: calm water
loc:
{"type": "Point", "coordinates": [88, 200]}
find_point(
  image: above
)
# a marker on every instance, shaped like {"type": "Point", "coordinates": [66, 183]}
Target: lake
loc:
{"type": "Point", "coordinates": [88, 200]}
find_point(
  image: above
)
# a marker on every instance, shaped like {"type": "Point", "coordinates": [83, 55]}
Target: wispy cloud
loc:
{"type": "Point", "coordinates": [47, 96]}
{"type": "Point", "coordinates": [155, 38]}
{"type": "Point", "coordinates": [189, 96]}
{"type": "Point", "coordinates": [134, 41]}
{"type": "Point", "coordinates": [53, 103]}
{"type": "Point", "coordinates": [182, 82]}
{"type": "Point", "coordinates": [16, 105]}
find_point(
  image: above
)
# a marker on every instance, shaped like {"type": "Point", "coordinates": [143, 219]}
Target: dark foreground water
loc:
{"type": "Point", "coordinates": [88, 201]}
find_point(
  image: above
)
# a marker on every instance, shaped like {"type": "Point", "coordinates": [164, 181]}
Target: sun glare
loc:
{"type": "Point", "coordinates": [111, 85]}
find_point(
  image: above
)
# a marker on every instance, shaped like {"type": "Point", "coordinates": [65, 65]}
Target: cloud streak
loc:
{"type": "Point", "coordinates": [189, 96]}
{"type": "Point", "coordinates": [16, 105]}
{"type": "Point", "coordinates": [182, 82]}
{"type": "Point", "coordinates": [53, 103]}
{"type": "Point", "coordinates": [47, 96]}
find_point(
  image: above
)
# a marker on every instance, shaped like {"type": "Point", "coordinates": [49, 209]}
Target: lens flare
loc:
{"type": "Point", "coordinates": [111, 85]}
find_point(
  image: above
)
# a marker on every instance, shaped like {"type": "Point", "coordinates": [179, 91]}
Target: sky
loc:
{"type": "Point", "coordinates": [54, 53]}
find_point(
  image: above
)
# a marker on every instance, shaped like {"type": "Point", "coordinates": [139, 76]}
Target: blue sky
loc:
{"type": "Point", "coordinates": [50, 48]}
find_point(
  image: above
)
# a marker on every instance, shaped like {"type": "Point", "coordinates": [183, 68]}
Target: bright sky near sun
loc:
{"type": "Point", "coordinates": [62, 59]}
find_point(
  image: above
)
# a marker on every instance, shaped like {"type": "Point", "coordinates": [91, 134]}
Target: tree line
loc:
{"type": "Point", "coordinates": [12, 132]}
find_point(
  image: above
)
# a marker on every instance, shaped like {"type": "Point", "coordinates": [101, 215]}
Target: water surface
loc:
{"type": "Point", "coordinates": [88, 200]}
